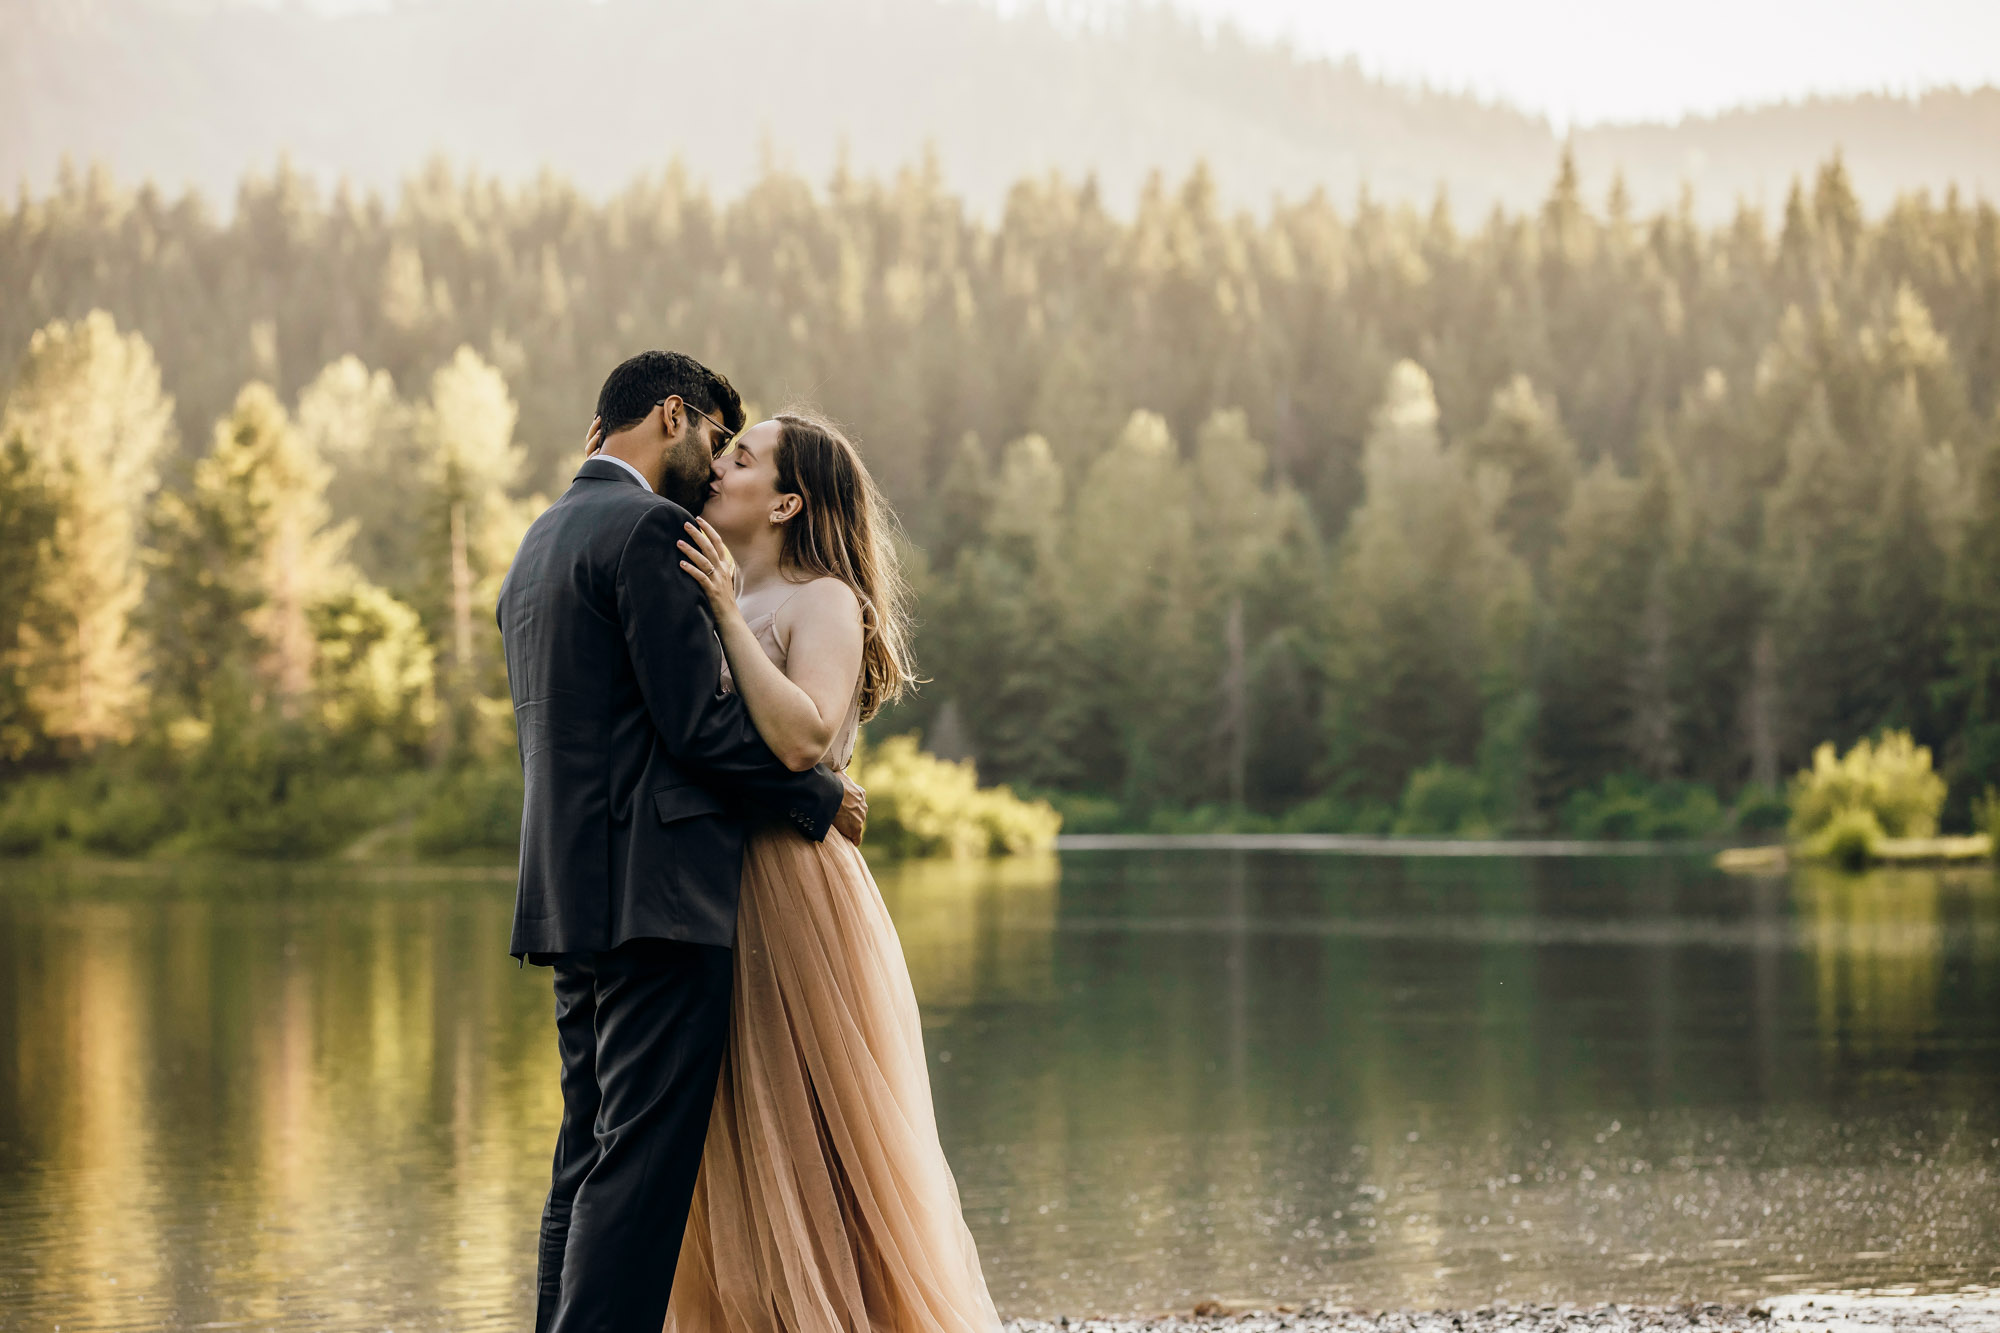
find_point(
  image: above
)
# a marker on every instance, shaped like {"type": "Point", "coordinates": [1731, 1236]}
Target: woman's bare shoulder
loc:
{"type": "Point", "coordinates": [826, 597]}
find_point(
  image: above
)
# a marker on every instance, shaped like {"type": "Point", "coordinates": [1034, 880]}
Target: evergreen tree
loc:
{"type": "Point", "coordinates": [1818, 553]}
{"type": "Point", "coordinates": [27, 529]}
{"type": "Point", "coordinates": [1970, 690]}
{"type": "Point", "coordinates": [994, 633]}
{"type": "Point", "coordinates": [87, 413]}
{"type": "Point", "coordinates": [355, 421]}
{"type": "Point", "coordinates": [1428, 606]}
{"type": "Point", "coordinates": [1523, 439]}
{"type": "Point", "coordinates": [1152, 685]}
{"type": "Point", "coordinates": [374, 687]}
{"type": "Point", "coordinates": [466, 434]}
{"type": "Point", "coordinates": [1599, 667]}
{"type": "Point", "coordinates": [244, 555]}
{"type": "Point", "coordinates": [1904, 589]}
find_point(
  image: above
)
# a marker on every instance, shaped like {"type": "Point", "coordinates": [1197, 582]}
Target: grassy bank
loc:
{"type": "Point", "coordinates": [1443, 801]}
{"type": "Point", "coordinates": [279, 807]}
{"type": "Point", "coordinates": [1878, 802]}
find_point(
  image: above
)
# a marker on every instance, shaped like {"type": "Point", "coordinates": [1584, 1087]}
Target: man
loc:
{"type": "Point", "coordinates": [638, 771]}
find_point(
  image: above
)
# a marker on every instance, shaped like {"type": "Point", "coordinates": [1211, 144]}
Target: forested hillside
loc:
{"type": "Point", "coordinates": [189, 91]}
{"type": "Point", "coordinates": [1359, 516]}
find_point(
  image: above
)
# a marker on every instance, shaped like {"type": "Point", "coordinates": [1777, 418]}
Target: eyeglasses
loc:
{"type": "Point", "coordinates": [723, 435]}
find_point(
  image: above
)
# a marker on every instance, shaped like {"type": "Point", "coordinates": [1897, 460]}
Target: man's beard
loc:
{"type": "Point", "coordinates": [685, 478]}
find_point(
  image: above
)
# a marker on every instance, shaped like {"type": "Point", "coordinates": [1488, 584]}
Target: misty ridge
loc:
{"type": "Point", "coordinates": [190, 93]}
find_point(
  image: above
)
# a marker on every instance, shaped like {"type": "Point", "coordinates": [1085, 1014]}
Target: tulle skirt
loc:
{"type": "Point", "coordinates": [824, 1203]}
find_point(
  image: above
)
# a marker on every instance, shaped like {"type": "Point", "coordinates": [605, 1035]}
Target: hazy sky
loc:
{"type": "Point", "coordinates": [1585, 61]}
{"type": "Point", "coordinates": [1594, 60]}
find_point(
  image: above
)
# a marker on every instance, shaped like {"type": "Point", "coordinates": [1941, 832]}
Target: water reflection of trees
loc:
{"type": "Point", "coordinates": [303, 1108]}
{"type": "Point", "coordinates": [1209, 1070]}
{"type": "Point", "coordinates": [974, 929]}
{"type": "Point", "coordinates": [1204, 1011]}
{"type": "Point", "coordinates": [1875, 941]}
{"type": "Point", "coordinates": [1889, 948]}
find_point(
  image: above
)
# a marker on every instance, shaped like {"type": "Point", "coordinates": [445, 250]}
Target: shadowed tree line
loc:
{"type": "Point", "coordinates": [1331, 517]}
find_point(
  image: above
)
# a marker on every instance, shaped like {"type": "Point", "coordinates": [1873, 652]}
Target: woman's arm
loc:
{"type": "Point", "coordinates": [797, 711]}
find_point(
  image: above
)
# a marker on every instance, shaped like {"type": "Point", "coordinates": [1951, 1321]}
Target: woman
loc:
{"type": "Point", "coordinates": [824, 1202]}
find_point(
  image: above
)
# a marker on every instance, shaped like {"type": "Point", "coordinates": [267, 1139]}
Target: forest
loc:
{"type": "Point", "coordinates": [1341, 515]}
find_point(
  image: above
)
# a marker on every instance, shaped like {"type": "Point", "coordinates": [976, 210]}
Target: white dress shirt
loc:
{"type": "Point", "coordinates": [614, 458]}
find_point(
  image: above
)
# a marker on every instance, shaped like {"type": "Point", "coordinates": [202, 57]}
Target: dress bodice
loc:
{"type": "Point", "coordinates": [765, 626]}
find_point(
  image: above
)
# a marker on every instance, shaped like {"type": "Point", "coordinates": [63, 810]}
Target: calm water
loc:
{"type": "Point", "coordinates": [270, 1099]}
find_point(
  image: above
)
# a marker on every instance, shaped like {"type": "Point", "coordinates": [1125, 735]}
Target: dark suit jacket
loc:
{"type": "Point", "coordinates": [639, 767]}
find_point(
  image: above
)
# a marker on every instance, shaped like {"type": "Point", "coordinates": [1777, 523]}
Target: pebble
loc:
{"type": "Point", "coordinates": [1967, 1313]}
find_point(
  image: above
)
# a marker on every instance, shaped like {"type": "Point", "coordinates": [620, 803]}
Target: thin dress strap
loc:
{"type": "Point", "coordinates": [773, 612]}
{"type": "Point", "coordinates": [765, 628]}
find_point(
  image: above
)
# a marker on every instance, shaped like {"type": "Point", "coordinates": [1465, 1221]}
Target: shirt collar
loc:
{"type": "Point", "coordinates": [613, 458]}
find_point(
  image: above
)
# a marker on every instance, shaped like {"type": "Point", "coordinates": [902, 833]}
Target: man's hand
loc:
{"type": "Point", "coordinates": [852, 821]}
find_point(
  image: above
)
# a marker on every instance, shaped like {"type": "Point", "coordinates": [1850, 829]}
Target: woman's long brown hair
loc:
{"type": "Point", "coordinates": [845, 530]}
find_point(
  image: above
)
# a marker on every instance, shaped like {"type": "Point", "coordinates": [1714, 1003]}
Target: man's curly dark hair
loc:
{"type": "Point", "coordinates": [630, 391]}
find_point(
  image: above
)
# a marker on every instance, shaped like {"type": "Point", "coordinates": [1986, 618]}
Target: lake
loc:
{"type": "Point", "coordinates": [261, 1097]}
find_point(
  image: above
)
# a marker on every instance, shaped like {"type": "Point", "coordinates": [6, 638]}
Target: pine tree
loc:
{"type": "Point", "coordinates": [244, 555]}
{"type": "Point", "coordinates": [355, 421]}
{"type": "Point", "coordinates": [1970, 691]}
{"type": "Point", "coordinates": [1151, 687]}
{"type": "Point", "coordinates": [1903, 593]}
{"type": "Point", "coordinates": [27, 529]}
{"type": "Point", "coordinates": [1428, 606]}
{"type": "Point", "coordinates": [88, 414]}
{"type": "Point", "coordinates": [1523, 439]}
{"type": "Point", "coordinates": [1817, 553]}
{"type": "Point", "coordinates": [995, 630]}
{"type": "Point", "coordinates": [466, 433]}
{"type": "Point", "coordinates": [1234, 513]}
{"type": "Point", "coordinates": [1599, 656]}
{"type": "Point", "coordinates": [374, 681]}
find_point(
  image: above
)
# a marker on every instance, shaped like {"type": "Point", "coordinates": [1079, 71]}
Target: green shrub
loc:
{"type": "Point", "coordinates": [34, 816]}
{"type": "Point", "coordinates": [1889, 779]}
{"type": "Point", "coordinates": [1616, 808]}
{"type": "Point", "coordinates": [1986, 817]}
{"type": "Point", "coordinates": [1761, 809]}
{"type": "Point", "coordinates": [920, 805]}
{"type": "Point", "coordinates": [1211, 818]}
{"type": "Point", "coordinates": [111, 806]}
{"type": "Point", "coordinates": [1445, 799]}
{"type": "Point", "coordinates": [1084, 813]}
{"type": "Point", "coordinates": [1848, 839]}
{"type": "Point", "coordinates": [476, 809]}
{"type": "Point", "coordinates": [132, 817]}
{"type": "Point", "coordinates": [1328, 813]}
{"type": "Point", "coordinates": [1627, 808]}
{"type": "Point", "coordinates": [302, 818]}
{"type": "Point", "coordinates": [1684, 810]}
{"type": "Point", "coordinates": [269, 801]}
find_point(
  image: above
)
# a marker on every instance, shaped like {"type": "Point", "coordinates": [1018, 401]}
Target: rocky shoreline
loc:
{"type": "Point", "coordinates": [1959, 1313]}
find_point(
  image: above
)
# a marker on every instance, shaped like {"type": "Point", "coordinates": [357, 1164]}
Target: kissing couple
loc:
{"type": "Point", "coordinates": [695, 632]}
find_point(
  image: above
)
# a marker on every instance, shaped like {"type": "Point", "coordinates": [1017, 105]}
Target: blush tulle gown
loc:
{"type": "Point", "coordinates": [824, 1203]}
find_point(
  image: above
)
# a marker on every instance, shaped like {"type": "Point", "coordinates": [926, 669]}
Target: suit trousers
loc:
{"type": "Point", "coordinates": [642, 1029]}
